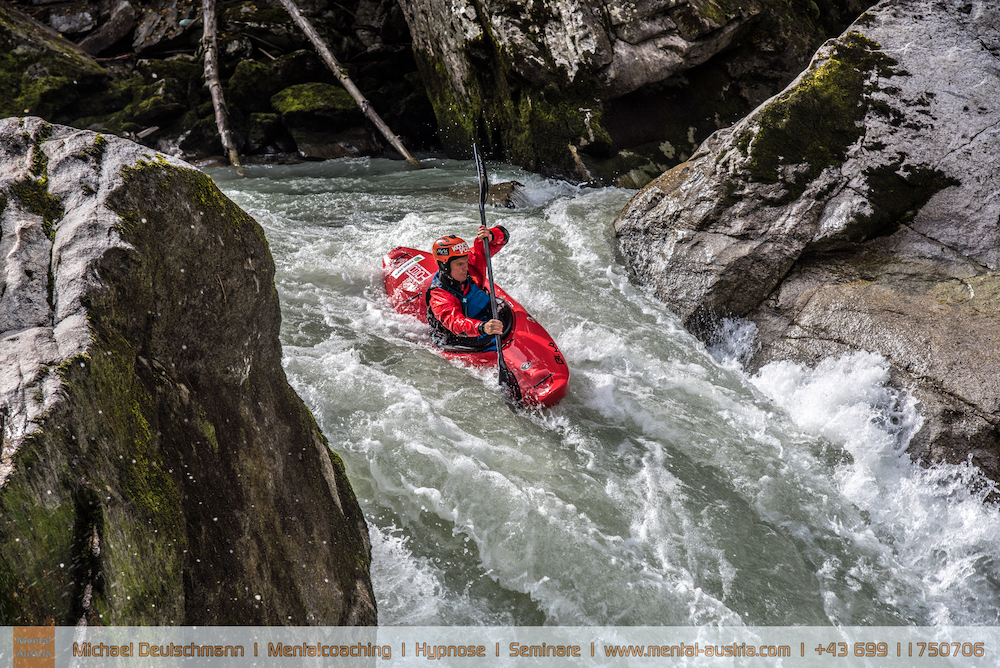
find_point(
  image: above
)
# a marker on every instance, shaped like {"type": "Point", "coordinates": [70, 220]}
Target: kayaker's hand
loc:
{"type": "Point", "coordinates": [484, 233]}
{"type": "Point", "coordinates": [493, 327]}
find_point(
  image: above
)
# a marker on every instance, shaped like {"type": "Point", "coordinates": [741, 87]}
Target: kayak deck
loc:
{"type": "Point", "coordinates": [530, 353]}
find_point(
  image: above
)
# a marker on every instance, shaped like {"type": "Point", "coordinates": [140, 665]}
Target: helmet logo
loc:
{"type": "Point", "coordinates": [450, 247]}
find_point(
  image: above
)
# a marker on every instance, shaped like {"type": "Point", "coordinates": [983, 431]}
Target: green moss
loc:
{"type": "Point", "coordinates": [95, 150]}
{"type": "Point", "coordinates": [866, 20]}
{"type": "Point", "coordinates": [40, 161]}
{"type": "Point", "coordinates": [816, 121]}
{"type": "Point", "coordinates": [201, 191]}
{"type": "Point", "coordinates": [546, 130]}
{"type": "Point", "coordinates": [29, 503]}
{"type": "Point", "coordinates": [61, 75]}
{"type": "Point", "coordinates": [179, 69]}
{"type": "Point", "coordinates": [208, 430]}
{"type": "Point", "coordinates": [35, 198]}
{"type": "Point", "coordinates": [251, 87]}
{"type": "Point", "coordinates": [317, 106]}
{"type": "Point", "coordinates": [457, 119]}
{"type": "Point", "coordinates": [68, 481]}
{"type": "Point", "coordinates": [153, 110]}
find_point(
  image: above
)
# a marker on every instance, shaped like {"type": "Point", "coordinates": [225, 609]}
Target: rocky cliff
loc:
{"type": "Point", "coordinates": [156, 468]}
{"type": "Point", "coordinates": [592, 91]}
{"type": "Point", "coordinates": [566, 86]}
{"type": "Point", "coordinates": [856, 210]}
{"type": "Point", "coordinates": [133, 68]}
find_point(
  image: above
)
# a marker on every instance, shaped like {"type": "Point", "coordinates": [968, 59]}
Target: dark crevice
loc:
{"type": "Point", "coordinates": [85, 570]}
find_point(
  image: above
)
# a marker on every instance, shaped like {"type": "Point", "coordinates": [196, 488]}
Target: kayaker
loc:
{"type": "Point", "coordinates": [458, 301]}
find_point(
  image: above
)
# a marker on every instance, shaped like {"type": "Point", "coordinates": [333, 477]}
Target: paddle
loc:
{"type": "Point", "coordinates": [508, 384]}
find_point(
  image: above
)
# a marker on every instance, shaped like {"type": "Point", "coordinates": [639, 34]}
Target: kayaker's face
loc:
{"type": "Point", "coordinates": [460, 268]}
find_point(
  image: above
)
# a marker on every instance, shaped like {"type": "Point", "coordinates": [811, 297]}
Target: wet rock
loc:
{"type": "Point", "coordinates": [121, 23]}
{"type": "Point", "coordinates": [268, 136]}
{"type": "Point", "coordinates": [506, 194]}
{"type": "Point", "coordinates": [351, 143]}
{"type": "Point", "coordinates": [163, 21]}
{"type": "Point", "coordinates": [533, 81]}
{"type": "Point", "coordinates": [325, 122]}
{"type": "Point", "coordinates": [252, 86]}
{"type": "Point", "coordinates": [72, 21]}
{"type": "Point", "coordinates": [145, 409]}
{"type": "Point", "coordinates": [316, 106]}
{"type": "Point", "coordinates": [856, 210]}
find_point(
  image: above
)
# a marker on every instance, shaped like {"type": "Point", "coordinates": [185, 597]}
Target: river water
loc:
{"type": "Point", "coordinates": [669, 487]}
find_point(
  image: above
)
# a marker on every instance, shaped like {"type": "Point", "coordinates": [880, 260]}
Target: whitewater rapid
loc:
{"type": "Point", "coordinates": [669, 488]}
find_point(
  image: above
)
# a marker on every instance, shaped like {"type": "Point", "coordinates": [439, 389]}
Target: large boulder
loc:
{"type": "Point", "coordinates": [857, 210]}
{"type": "Point", "coordinates": [156, 467]}
{"type": "Point", "coordinates": [532, 80]}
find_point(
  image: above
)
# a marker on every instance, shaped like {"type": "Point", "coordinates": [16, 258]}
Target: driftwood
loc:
{"type": "Point", "coordinates": [345, 80]}
{"type": "Point", "coordinates": [208, 42]}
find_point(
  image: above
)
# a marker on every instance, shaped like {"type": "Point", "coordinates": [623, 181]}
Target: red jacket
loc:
{"type": "Point", "coordinates": [446, 307]}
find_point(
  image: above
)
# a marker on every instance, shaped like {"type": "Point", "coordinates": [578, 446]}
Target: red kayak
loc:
{"type": "Point", "coordinates": [530, 353]}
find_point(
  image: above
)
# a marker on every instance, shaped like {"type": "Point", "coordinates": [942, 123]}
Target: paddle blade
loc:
{"type": "Point", "coordinates": [484, 183]}
{"type": "Point", "coordinates": [508, 386]}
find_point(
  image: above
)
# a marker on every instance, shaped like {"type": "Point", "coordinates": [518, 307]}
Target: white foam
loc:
{"type": "Point", "coordinates": [932, 522]}
{"type": "Point", "coordinates": [636, 500]}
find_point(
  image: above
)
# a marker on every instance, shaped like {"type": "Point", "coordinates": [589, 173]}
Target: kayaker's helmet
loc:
{"type": "Point", "coordinates": [447, 248]}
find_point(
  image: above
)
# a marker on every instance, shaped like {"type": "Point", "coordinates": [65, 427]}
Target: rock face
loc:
{"type": "Point", "coordinates": [133, 69]}
{"type": "Point", "coordinates": [532, 80]}
{"type": "Point", "coordinates": [593, 91]}
{"type": "Point", "coordinates": [857, 210]}
{"type": "Point", "coordinates": [40, 73]}
{"type": "Point", "coordinates": [156, 467]}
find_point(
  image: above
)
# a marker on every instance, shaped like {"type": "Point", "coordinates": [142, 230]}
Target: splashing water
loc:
{"type": "Point", "coordinates": [668, 488]}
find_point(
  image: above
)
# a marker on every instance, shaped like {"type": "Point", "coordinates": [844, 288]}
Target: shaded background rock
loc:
{"type": "Point", "coordinates": [157, 468]}
{"type": "Point", "coordinates": [607, 91]}
{"type": "Point", "coordinates": [596, 92]}
{"type": "Point", "coordinates": [139, 75]}
{"type": "Point", "coordinates": [857, 210]}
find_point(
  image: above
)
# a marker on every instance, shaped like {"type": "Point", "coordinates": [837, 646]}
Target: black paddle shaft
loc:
{"type": "Point", "coordinates": [511, 390]}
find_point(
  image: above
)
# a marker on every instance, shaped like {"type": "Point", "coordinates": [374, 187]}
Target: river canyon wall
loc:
{"type": "Point", "coordinates": [157, 468]}
{"type": "Point", "coordinates": [593, 92]}
{"type": "Point", "coordinates": [857, 210]}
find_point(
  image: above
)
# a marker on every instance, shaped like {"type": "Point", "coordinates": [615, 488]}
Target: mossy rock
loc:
{"type": "Point", "coordinates": [184, 70]}
{"type": "Point", "coordinates": [251, 87]}
{"type": "Point", "coordinates": [815, 122]}
{"type": "Point", "coordinates": [547, 130]}
{"type": "Point", "coordinates": [317, 107]}
{"type": "Point", "coordinates": [203, 140]}
{"type": "Point", "coordinates": [627, 169]}
{"type": "Point", "coordinates": [299, 67]}
{"type": "Point", "coordinates": [154, 110]}
{"type": "Point", "coordinates": [40, 73]}
{"type": "Point", "coordinates": [267, 134]}
{"type": "Point", "coordinates": [143, 481]}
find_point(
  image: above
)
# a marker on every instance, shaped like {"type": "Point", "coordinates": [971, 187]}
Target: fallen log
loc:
{"type": "Point", "coordinates": [345, 80]}
{"type": "Point", "coordinates": [208, 43]}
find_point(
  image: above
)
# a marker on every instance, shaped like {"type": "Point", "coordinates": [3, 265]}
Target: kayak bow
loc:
{"type": "Point", "coordinates": [530, 354]}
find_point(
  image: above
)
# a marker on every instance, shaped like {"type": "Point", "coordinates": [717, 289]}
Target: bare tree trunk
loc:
{"type": "Point", "coordinates": [341, 74]}
{"type": "Point", "coordinates": [215, 88]}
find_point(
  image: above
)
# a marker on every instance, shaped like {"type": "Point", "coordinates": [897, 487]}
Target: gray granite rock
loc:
{"type": "Point", "coordinates": [146, 474]}
{"type": "Point", "coordinates": [857, 210]}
